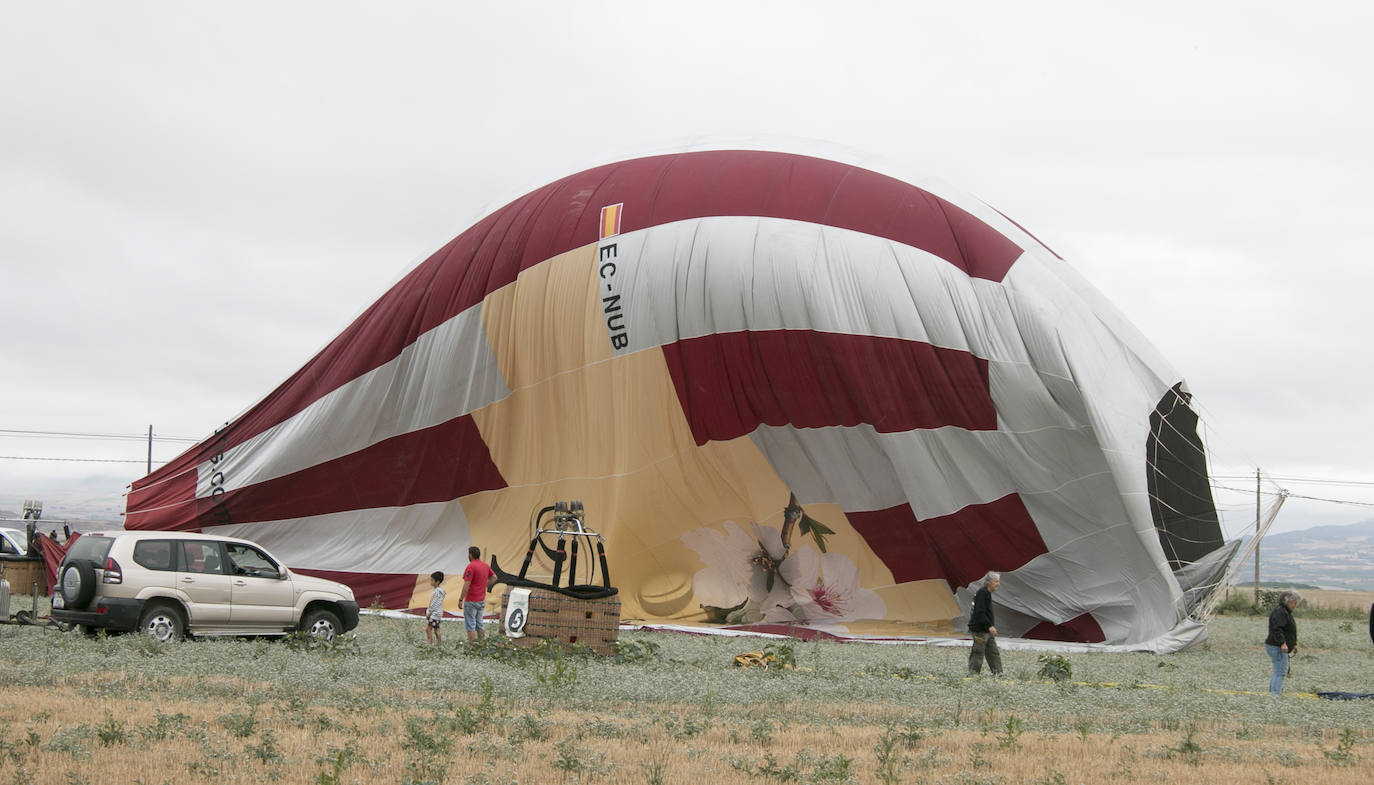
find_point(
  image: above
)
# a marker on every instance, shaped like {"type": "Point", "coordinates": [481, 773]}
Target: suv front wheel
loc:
{"type": "Point", "coordinates": [163, 622]}
{"type": "Point", "coordinates": [321, 624]}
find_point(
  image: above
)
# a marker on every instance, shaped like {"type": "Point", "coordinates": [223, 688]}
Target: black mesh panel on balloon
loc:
{"type": "Point", "coordinates": [1176, 471]}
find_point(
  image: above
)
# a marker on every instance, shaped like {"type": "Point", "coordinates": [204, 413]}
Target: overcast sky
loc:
{"type": "Point", "coordinates": [194, 200]}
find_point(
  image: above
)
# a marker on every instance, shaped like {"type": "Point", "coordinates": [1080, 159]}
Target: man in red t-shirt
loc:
{"type": "Point", "coordinates": [477, 578]}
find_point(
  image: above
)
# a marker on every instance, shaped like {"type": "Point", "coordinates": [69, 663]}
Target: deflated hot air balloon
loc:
{"type": "Point", "coordinates": [786, 389]}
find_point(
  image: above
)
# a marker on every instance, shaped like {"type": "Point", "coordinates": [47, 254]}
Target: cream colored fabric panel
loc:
{"type": "Point", "coordinates": [704, 486]}
{"type": "Point", "coordinates": [613, 435]}
{"type": "Point", "coordinates": [572, 413]}
{"type": "Point", "coordinates": [547, 322]}
{"type": "Point", "coordinates": [643, 514]}
{"type": "Point", "coordinates": [581, 425]}
{"type": "Point", "coordinates": [917, 601]}
{"type": "Point", "coordinates": [614, 418]}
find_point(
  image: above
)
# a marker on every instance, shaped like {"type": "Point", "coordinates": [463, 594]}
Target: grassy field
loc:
{"type": "Point", "coordinates": [384, 707]}
{"type": "Point", "coordinates": [1335, 598]}
{"type": "Point", "coordinates": [1321, 599]}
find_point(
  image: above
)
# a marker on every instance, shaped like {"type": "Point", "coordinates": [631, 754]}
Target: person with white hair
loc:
{"type": "Point", "coordinates": [982, 627]}
{"type": "Point", "coordinates": [1283, 638]}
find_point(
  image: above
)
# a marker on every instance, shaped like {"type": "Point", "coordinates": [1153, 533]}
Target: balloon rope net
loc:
{"type": "Point", "coordinates": [1205, 611]}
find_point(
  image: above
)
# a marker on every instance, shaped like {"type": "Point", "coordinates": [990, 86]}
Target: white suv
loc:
{"type": "Point", "coordinates": [171, 584]}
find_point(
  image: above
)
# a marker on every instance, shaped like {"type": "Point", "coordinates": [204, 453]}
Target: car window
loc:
{"type": "Point", "coordinates": [202, 557]}
{"type": "Point", "coordinates": [153, 554]}
{"type": "Point", "coordinates": [247, 560]}
{"type": "Point", "coordinates": [6, 547]}
{"type": "Point", "coordinates": [91, 547]}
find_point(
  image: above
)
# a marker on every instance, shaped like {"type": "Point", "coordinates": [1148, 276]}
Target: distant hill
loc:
{"type": "Point", "coordinates": [90, 504]}
{"type": "Point", "coordinates": [10, 519]}
{"type": "Point", "coordinates": [1333, 557]}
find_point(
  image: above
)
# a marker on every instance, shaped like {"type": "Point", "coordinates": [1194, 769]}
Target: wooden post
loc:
{"type": "Point", "coordinates": [1257, 534]}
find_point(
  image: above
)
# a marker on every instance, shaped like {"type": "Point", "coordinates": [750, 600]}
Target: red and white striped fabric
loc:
{"type": "Point", "coordinates": [682, 341]}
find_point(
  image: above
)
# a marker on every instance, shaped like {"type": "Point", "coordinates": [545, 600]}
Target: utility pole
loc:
{"type": "Point", "coordinates": [150, 452]}
{"type": "Point", "coordinates": [1257, 533]}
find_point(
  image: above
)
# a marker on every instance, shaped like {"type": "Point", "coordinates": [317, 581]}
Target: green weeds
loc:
{"type": "Point", "coordinates": [71, 741]}
{"type": "Point", "coordinates": [635, 652]}
{"type": "Point", "coordinates": [784, 654]}
{"type": "Point", "coordinates": [1055, 667]}
{"type": "Point", "coordinates": [1011, 734]}
{"type": "Point", "coordinates": [805, 767]}
{"type": "Point", "coordinates": [655, 767]}
{"type": "Point", "coordinates": [1188, 748]}
{"type": "Point", "coordinates": [18, 750]}
{"type": "Point", "coordinates": [111, 731]}
{"type": "Point", "coordinates": [339, 646]}
{"type": "Point", "coordinates": [427, 750]}
{"type": "Point", "coordinates": [568, 760]}
{"type": "Point", "coordinates": [335, 763]}
{"type": "Point", "coordinates": [239, 723]}
{"type": "Point", "coordinates": [266, 750]}
{"type": "Point", "coordinates": [557, 669]}
{"type": "Point", "coordinates": [1344, 753]}
{"type": "Point", "coordinates": [680, 727]}
{"type": "Point", "coordinates": [528, 728]}
{"type": "Point", "coordinates": [423, 738]}
{"type": "Point", "coordinates": [887, 753]}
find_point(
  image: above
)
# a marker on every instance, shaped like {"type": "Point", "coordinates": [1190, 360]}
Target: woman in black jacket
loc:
{"type": "Point", "coordinates": [1283, 638]}
{"type": "Point", "coordinates": [981, 628]}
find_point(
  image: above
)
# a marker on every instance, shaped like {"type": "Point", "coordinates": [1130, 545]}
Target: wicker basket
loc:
{"type": "Point", "coordinates": [553, 616]}
{"type": "Point", "coordinates": [23, 573]}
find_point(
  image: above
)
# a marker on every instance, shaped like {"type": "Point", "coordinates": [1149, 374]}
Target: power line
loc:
{"type": "Point", "coordinates": [139, 437]}
{"type": "Point", "coordinates": [1247, 490]}
{"type": "Point", "coordinates": [66, 460]}
{"type": "Point", "coordinates": [1334, 501]}
{"type": "Point", "coordinates": [1294, 496]}
{"type": "Point", "coordinates": [1328, 484]}
{"type": "Point", "coordinates": [1306, 480]}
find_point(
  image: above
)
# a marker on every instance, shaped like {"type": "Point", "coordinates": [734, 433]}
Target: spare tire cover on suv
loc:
{"type": "Point", "coordinates": [77, 584]}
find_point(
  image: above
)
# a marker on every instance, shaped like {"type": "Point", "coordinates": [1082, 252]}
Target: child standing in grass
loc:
{"type": "Point", "coordinates": [436, 608]}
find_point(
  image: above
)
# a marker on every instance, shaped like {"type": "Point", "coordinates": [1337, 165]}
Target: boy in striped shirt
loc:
{"type": "Point", "coordinates": [436, 608]}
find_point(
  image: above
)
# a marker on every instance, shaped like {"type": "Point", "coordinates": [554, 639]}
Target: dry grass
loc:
{"type": "Point", "coordinates": [1335, 598]}
{"type": "Point", "coordinates": [64, 736]}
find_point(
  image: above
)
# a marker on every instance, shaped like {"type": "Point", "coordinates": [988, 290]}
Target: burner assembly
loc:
{"type": "Point", "coordinates": [562, 609]}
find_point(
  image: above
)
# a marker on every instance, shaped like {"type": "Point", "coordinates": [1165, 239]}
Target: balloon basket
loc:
{"type": "Point", "coordinates": [24, 574]}
{"type": "Point", "coordinates": [554, 616]}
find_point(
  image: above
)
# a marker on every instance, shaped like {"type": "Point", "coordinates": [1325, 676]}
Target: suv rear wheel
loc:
{"type": "Point", "coordinates": [163, 621]}
{"type": "Point", "coordinates": [78, 584]}
{"type": "Point", "coordinates": [321, 623]}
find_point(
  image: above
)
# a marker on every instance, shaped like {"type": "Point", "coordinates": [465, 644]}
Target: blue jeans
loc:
{"type": "Point", "coordinates": [1280, 659]}
{"type": "Point", "coordinates": [472, 615]}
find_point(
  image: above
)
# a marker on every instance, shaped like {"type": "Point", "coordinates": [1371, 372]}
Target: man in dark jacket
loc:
{"type": "Point", "coordinates": [1283, 638]}
{"type": "Point", "coordinates": [983, 629]}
